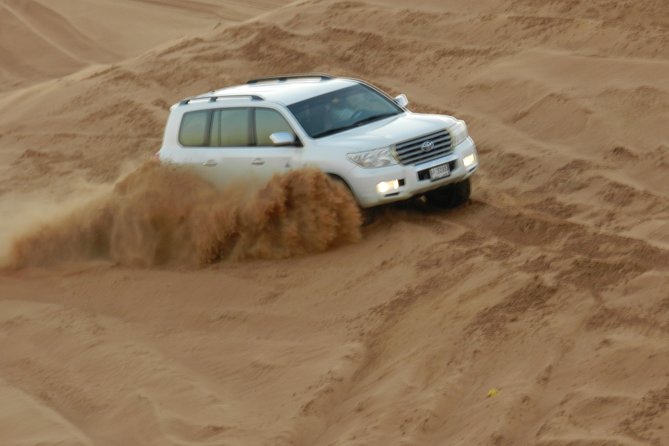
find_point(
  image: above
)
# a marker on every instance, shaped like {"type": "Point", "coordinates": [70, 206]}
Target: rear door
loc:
{"type": "Point", "coordinates": [269, 159]}
{"type": "Point", "coordinates": [218, 143]}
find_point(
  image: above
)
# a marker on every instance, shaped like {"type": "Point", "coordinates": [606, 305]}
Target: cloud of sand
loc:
{"type": "Point", "coordinates": [160, 215]}
{"type": "Point", "coordinates": [20, 211]}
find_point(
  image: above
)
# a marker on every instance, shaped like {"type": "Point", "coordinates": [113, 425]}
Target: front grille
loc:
{"type": "Point", "coordinates": [412, 152]}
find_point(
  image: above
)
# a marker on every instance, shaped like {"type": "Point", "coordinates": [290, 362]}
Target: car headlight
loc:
{"type": "Point", "coordinates": [458, 132]}
{"type": "Point", "coordinates": [373, 158]}
{"type": "Point", "coordinates": [469, 160]}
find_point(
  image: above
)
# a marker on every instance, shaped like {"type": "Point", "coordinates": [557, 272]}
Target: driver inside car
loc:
{"type": "Point", "coordinates": [340, 111]}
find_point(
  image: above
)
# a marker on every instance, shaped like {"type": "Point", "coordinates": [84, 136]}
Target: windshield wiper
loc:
{"type": "Point", "coordinates": [364, 121]}
{"type": "Point", "coordinates": [369, 119]}
{"type": "Point", "coordinates": [333, 131]}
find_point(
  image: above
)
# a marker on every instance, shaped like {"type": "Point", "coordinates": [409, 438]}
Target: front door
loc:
{"type": "Point", "coordinates": [267, 158]}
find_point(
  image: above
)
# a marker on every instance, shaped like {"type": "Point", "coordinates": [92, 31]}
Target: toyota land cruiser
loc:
{"type": "Point", "coordinates": [346, 127]}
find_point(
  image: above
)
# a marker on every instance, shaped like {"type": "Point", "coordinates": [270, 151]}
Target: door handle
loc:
{"type": "Point", "coordinates": [209, 163]}
{"type": "Point", "coordinates": [258, 162]}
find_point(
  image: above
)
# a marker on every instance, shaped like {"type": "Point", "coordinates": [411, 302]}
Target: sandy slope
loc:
{"type": "Point", "coordinates": [551, 286]}
{"type": "Point", "coordinates": [42, 39]}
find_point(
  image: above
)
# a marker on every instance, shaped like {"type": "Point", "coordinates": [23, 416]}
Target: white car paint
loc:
{"type": "Point", "coordinates": [328, 153]}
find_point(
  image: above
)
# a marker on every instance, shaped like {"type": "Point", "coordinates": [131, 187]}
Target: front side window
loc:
{"type": "Point", "coordinates": [268, 122]}
{"type": "Point", "coordinates": [342, 110]}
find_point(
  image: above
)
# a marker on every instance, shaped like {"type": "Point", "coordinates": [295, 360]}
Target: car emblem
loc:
{"type": "Point", "coordinates": [427, 146]}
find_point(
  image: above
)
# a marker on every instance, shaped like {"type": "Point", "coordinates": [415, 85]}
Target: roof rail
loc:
{"type": "Point", "coordinates": [214, 98]}
{"type": "Point", "coordinates": [285, 77]}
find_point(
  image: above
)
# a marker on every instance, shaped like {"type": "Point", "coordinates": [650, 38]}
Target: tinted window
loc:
{"type": "Point", "coordinates": [343, 109]}
{"type": "Point", "coordinates": [268, 122]}
{"type": "Point", "coordinates": [193, 131]}
{"type": "Point", "coordinates": [230, 128]}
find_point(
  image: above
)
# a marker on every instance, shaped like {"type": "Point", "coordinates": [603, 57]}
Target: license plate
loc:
{"type": "Point", "coordinates": [440, 171]}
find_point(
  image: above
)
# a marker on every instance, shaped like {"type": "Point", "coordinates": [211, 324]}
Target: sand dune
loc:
{"type": "Point", "coordinates": [550, 286]}
{"type": "Point", "coordinates": [43, 39]}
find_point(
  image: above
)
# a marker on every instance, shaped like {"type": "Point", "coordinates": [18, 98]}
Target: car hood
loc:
{"type": "Point", "coordinates": [388, 131]}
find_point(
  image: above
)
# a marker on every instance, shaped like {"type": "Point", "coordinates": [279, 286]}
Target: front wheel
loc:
{"type": "Point", "coordinates": [450, 196]}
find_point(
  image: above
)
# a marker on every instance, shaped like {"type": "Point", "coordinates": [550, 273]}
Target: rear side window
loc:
{"type": "Point", "coordinates": [216, 128]}
{"type": "Point", "coordinates": [230, 128]}
{"type": "Point", "coordinates": [193, 131]}
{"type": "Point", "coordinates": [268, 122]}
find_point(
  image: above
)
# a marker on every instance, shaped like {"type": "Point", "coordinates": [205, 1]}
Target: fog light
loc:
{"type": "Point", "coordinates": [469, 160]}
{"type": "Point", "coordinates": [386, 186]}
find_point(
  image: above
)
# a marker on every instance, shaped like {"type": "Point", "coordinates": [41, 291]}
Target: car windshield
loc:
{"type": "Point", "coordinates": [343, 109]}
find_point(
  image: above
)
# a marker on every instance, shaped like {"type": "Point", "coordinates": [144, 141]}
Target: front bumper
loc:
{"type": "Point", "coordinates": [363, 181]}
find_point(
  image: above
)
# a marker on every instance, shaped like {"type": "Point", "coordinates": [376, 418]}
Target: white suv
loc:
{"type": "Point", "coordinates": [345, 127]}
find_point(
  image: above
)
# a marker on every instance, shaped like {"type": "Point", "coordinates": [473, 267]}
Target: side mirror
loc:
{"type": "Point", "coordinates": [282, 139]}
{"type": "Point", "coordinates": [402, 100]}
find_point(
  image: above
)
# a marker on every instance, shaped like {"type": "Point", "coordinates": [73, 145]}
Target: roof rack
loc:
{"type": "Point", "coordinates": [285, 77]}
{"type": "Point", "coordinates": [214, 98]}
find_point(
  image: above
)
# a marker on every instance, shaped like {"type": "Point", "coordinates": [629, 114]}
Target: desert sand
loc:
{"type": "Point", "coordinates": [140, 306]}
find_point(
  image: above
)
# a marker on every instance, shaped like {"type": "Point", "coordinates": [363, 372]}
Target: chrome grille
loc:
{"type": "Point", "coordinates": [412, 151]}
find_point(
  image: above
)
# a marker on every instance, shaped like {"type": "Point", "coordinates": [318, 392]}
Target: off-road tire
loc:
{"type": "Point", "coordinates": [368, 215]}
